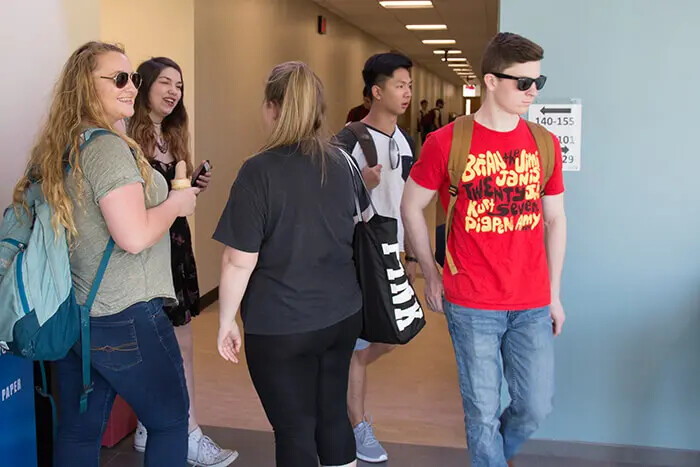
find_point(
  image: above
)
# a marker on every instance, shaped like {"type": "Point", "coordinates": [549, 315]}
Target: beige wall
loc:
{"type": "Point", "coordinates": [154, 28]}
{"type": "Point", "coordinates": [236, 46]}
{"type": "Point", "coordinates": [35, 42]}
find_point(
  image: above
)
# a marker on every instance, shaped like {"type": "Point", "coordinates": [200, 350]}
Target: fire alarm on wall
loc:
{"type": "Point", "coordinates": [321, 25]}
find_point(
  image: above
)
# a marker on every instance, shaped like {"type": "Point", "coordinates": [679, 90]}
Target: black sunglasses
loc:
{"type": "Point", "coordinates": [524, 83]}
{"type": "Point", "coordinates": [122, 78]}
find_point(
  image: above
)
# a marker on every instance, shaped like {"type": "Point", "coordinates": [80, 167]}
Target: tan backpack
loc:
{"type": "Point", "coordinates": [461, 145]}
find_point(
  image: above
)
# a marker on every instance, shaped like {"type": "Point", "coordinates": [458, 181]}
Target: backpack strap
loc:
{"type": "Point", "coordinates": [459, 150]}
{"type": "Point", "coordinates": [85, 325]}
{"type": "Point", "coordinates": [366, 142]}
{"type": "Point", "coordinates": [545, 146]}
{"type": "Point", "coordinates": [89, 135]}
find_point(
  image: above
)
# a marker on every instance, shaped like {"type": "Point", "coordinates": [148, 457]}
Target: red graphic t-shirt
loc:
{"type": "Point", "coordinates": [497, 235]}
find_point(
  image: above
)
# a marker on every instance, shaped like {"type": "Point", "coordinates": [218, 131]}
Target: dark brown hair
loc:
{"type": "Point", "coordinates": [506, 49]}
{"type": "Point", "coordinates": [174, 126]}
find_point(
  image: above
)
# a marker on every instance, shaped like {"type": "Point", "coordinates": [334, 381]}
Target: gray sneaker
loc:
{"type": "Point", "coordinates": [368, 448]}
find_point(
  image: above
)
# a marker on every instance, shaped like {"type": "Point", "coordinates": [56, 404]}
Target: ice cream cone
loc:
{"type": "Point", "coordinates": [181, 182]}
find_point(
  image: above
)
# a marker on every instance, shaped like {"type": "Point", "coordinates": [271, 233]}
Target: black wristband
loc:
{"type": "Point", "coordinates": [410, 259]}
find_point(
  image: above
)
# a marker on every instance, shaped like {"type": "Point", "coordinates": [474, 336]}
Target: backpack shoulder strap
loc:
{"type": "Point", "coordinates": [85, 325]}
{"type": "Point", "coordinates": [89, 136]}
{"type": "Point", "coordinates": [459, 150]}
{"type": "Point", "coordinates": [366, 142]}
{"type": "Point", "coordinates": [92, 133]}
{"type": "Point", "coordinates": [545, 146]}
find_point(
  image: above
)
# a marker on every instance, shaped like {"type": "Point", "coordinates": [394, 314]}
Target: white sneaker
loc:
{"type": "Point", "coordinates": [203, 452]}
{"type": "Point", "coordinates": [140, 437]}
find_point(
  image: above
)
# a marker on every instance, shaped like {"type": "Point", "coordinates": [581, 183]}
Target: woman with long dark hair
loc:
{"type": "Point", "coordinates": [159, 125]}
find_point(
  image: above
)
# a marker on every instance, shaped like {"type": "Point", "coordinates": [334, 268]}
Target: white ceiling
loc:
{"type": "Point", "coordinates": [470, 22]}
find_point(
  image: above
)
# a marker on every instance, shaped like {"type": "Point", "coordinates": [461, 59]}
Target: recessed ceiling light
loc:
{"type": "Point", "coordinates": [426, 27]}
{"type": "Point", "coordinates": [407, 4]}
{"type": "Point", "coordinates": [449, 52]}
{"type": "Point", "coordinates": [439, 41]}
{"type": "Point", "coordinates": [456, 59]}
{"type": "Point", "coordinates": [457, 65]}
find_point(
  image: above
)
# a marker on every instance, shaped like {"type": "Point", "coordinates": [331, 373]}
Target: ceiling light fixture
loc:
{"type": "Point", "coordinates": [439, 41]}
{"type": "Point", "coordinates": [426, 27]}
{"type": "Point", "coordinates": [407, 4]}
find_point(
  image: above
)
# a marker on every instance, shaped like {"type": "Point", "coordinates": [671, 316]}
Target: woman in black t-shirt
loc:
{"type": "Point", "coordinates": [288, 229]}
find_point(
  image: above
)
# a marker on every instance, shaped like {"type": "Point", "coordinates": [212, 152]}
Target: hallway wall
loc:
{"type": "Point", "coordinates": [628, 363]}
{"type": "Point", "coordinates": [34, 45]}
{"type": "Point", "coordinates": [236, 46]}
{"type": "Point", "coordinates": [151, 29]}
{"type": "Point", "coordinates": [156, 28]}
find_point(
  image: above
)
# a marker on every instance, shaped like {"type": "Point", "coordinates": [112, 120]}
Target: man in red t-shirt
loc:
{"type": "Point", "coordinates": [507, 243]}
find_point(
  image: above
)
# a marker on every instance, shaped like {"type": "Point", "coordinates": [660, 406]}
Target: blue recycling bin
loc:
{"type": "Point", "coordinates": [17, 425]}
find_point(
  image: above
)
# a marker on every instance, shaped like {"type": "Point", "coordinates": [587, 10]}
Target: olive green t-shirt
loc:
{"type": "Point", "coordinates": [108, 164]}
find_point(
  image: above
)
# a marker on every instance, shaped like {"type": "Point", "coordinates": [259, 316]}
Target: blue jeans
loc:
{"type": "Point", "coordinates": [134, 354]}
{"type": "Point", "coordinates": [489, 344]}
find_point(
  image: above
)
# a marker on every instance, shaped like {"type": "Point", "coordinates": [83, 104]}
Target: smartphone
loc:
{"type": "Point", "coordinates": [204, 168]}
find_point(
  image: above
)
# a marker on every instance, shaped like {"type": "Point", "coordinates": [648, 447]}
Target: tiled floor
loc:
{"type": "Point", "coordinates": [256, 450]}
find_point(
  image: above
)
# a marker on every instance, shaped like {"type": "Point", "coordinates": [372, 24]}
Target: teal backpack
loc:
{"type": "Point", "coordinates": [39, 316]}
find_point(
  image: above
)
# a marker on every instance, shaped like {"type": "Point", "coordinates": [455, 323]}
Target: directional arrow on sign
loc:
{"type": "Point", "coordinates": [565, 150]}
{"type": "Point", "coordinates": [545, 110]}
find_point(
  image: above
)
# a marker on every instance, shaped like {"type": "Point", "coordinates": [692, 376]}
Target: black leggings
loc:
{"type": "Point", "coordinates": [302, 382]}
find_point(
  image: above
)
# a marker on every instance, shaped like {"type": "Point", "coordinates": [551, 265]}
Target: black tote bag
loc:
{"type": "Point", "coordinates": [391, 311]}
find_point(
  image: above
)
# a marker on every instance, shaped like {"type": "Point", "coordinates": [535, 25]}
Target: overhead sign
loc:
{"type": "Point", "coordinates": [469, 90]}
{"type": "Point", "coordinates": [564, 120]}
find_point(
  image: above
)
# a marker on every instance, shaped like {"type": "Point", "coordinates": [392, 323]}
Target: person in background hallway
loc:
{"type": "Point", "coordinates": [288, 229]}
{"type": "Point", "coordinates": [358, 113]}
{"type": "Point", "coordinates": [501, 299]}
{"type": "Point", "coordinates": [159, 126]}
{"type": "Point", "coordinates": [433, 119]}
{"type": "Point", "coordinates": [421, 114]}
{"type": "Point", "coordinates": [437, 114]}
{"type": "Point", "coordinates": [387, 78]}
{"type": "Point", "coordinates": [112, 191]}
